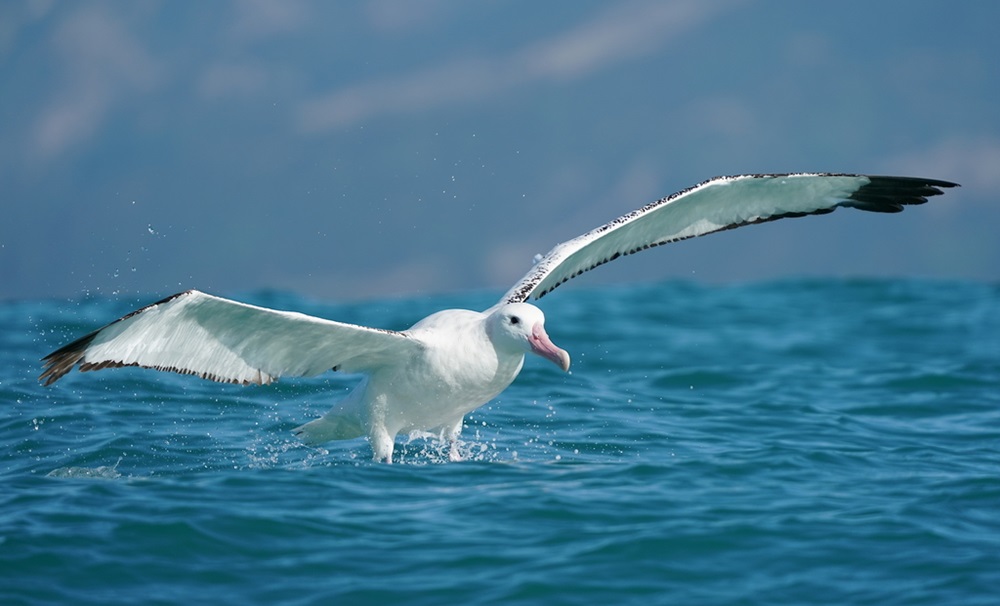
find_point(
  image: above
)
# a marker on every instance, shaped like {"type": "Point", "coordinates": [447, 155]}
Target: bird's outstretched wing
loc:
{"type": "Point", "coordinates": [227, 341]}
{"type": "Point", "coordinates": [718, 204]}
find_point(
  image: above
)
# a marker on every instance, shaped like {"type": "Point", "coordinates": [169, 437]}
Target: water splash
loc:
{"type": "Point", "coordinates": [104, 472]}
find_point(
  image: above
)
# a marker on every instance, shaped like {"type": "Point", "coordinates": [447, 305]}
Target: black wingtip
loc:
{"type": "Point", "coordinates": [62, 360]}
{"type": "Point", "coordinates": [891, 194]}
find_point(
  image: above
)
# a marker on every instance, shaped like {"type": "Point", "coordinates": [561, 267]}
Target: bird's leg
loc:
{"type": "Point", "coordinates": [382, 444]}
{"type": "Point", "coordinates": [381, 440]}
{"type": "Point", "coordinates": [453, 454]}
{"type": "Point", "coordinates": [451, 435]}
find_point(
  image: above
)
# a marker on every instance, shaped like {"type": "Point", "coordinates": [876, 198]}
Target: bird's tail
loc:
{"type": "Point", "coordinates": [329, 427]}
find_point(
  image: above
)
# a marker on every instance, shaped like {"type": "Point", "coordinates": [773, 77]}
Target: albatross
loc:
{"type": "Point", "coordinates": [429, 376]}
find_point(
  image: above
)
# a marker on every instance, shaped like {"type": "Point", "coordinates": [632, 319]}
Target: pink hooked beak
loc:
{"type": "Point", "coordinates": [541, 345]}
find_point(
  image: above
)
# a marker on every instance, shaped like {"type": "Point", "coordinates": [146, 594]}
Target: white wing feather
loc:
{"type": "Point", "coordinates": [224, 340]}
{"type": "Point", "coordinates": [714, 205]}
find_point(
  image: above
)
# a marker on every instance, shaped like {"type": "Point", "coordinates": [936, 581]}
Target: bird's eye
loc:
{"type": "Point", "coordinates": [515, 320]}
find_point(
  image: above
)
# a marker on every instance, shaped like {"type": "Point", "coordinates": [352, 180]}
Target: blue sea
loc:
{"type": "Point", "coordinates": [791, 442]}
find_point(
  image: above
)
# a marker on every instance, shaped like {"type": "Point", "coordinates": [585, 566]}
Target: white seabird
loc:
{"type": "Point", "coordinates": [431, 375]}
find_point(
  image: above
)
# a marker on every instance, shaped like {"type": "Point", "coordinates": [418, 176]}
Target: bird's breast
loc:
{"type": "Point", "coordinates": [439, 388]}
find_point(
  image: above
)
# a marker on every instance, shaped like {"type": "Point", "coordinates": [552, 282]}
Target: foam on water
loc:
{"type": "Point", "coordinates": [104, 472]}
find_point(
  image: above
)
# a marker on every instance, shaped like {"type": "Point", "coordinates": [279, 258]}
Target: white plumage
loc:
{"type": "Point", "coordinates": [431, 375]}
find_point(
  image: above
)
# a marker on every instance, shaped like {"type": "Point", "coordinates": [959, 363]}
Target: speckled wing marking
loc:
{"type": "Point", "coordinates": [227, 341]}
{"type": "Point", "coordinates": [715, 205]}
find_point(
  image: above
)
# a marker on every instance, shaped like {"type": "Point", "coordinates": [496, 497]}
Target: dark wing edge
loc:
{"type": "Point", "coordinates": [884, 194]}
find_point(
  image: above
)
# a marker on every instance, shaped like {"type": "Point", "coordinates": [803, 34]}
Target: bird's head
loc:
{"type": "Point", "coordinates": [521, 326]}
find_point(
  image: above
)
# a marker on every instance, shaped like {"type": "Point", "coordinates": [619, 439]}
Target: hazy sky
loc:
{"type": "Point", "coordinates": [355, 149]}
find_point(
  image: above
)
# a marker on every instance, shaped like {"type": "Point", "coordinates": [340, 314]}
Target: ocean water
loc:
{"type": "Point", "coordinates": [789, 442]}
